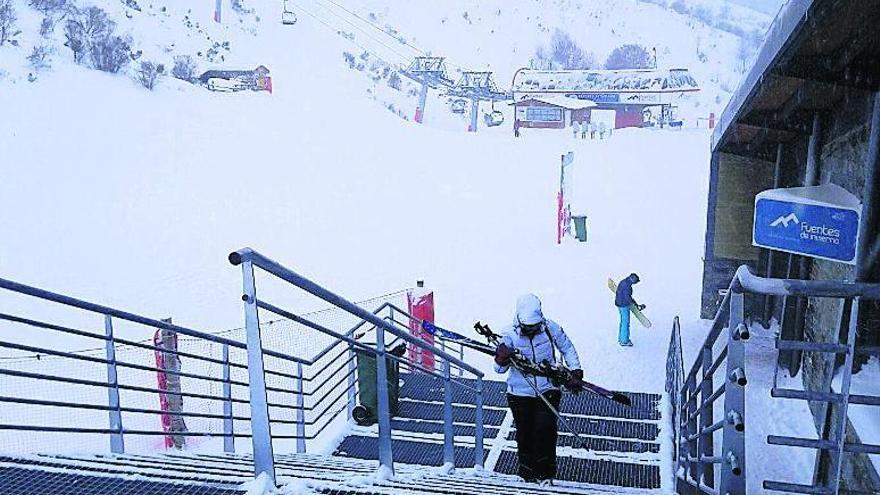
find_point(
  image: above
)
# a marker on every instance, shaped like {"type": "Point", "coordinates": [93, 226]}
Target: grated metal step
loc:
{"type": "Point", "coordinates": [423, 387]}
{"type": "Point", "coordinates": [593, 471]}
{"type": "Point", "coordinates": [433, 426]}
{"type": "Point", "coordinates": [607, 428]}
{"type": "Point", "coordinates": [405, 451]}
{"type": "Point", "coordinates": [21, 481]}
{"type": "Point", "coordinates": [460, 414]}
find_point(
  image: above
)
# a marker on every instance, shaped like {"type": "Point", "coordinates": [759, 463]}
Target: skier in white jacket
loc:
{"type": "Point", "coordinates": [537, 339]}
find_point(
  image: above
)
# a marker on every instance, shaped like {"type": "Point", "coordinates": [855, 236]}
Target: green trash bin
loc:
{"type": "Point", "coordinates": [580, 227]}
{"type": "Point", "coordinates": [368, 397]}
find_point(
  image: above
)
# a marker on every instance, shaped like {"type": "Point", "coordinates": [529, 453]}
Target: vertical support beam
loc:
{"type": "Point", "coordinates": [423, 99]}
{"type": "Point", "coordinates": [460, 356]}
{"type": "Point", "coordinates": [228, 425]}
{"type": "Point", "coordinates": [218, 6]}
{"type": "Point", "coordinates": [300, 411]}
{"type": "Point", "coordinates": [733, 443]}
{"type": "Point", "coordinates": [811, 174]}
{"type": "Point", "coordinates": [479, 452]}
{"type": "Point", "coordinates": [383, 410]}
{"type": "Point", "coordinates": [869, 241]}
{"type": "Point", "coordinates": [777, 180]}
{"type": "Point", "coordinates": [264, 460]}
{"type": "Point", "coordinates": [117, 442]}
{"type": "Point", "coordinates": [706, 444]}
{"type": "Point", "coordinates": [448, 432]}
{"type": "Point", "coordinates": [475, 110]}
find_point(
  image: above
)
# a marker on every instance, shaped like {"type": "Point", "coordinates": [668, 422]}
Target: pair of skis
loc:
{"type": "Point", "coordinates": [558, 375]}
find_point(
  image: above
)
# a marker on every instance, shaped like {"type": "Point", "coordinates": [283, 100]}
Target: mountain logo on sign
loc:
{"type": "Point", "coordinates": [784, 221]}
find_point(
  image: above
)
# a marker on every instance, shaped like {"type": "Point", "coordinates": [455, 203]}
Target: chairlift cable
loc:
{"type": "Point", "coordinates": [378, 28]}
{"type": "Point", "coordinates": [406, 58]}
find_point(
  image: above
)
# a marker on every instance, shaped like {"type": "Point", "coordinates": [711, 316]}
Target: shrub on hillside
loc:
{"type": "Point", "coordinates": [76, 39]}
{"type": "Point", "coordinates": [7, 23]}
{"type": "Point", "coordinates": [629, 56]}
{"type": "Point", "coordinates": [40, 57]}
{"type": "Point", "coordinates": [184, 68]}
{"type": "Point", "coordinates": [394, 81]}
{"type": "Point", "coordinates": [110, 53]}
{"type": "Point", "coordinates": [148, 73]}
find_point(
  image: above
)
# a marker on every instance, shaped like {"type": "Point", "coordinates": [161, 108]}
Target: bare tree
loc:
{"type": "Point", "coordinates": [76, 39]}
{"type": "Point", "coordinates": [40, 57]}
{"type": "Point", "coordinates": [629, 57]}
{"type": "Point", "coordinates": [50, 7]}
{"type": "Point", "coordinates": [7, 23]}
{"type": "Point", "coordinates": [110, 53]}
{"type": "Point", "coordinates": [184, 68]}
{"type": "Point", "coordinates": [149, 73]}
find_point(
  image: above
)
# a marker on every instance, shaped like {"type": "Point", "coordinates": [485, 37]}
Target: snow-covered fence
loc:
{"type": "Point", "coordinates": [698, 419]}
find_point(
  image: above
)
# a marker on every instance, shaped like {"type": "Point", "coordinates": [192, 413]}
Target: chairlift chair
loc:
{"type": "Point", "coordinates": [288, 17]}
{"type": "Point", "coordinates": [459, 106]}
{"type": "Point", "coordinates": [493, 118]}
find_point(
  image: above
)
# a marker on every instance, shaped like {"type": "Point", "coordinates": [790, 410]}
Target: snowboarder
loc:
{"type": "Point", "coordinates": [584, 129]}
{"type": "Point", "coordinates": [537, 339]}
{"type": "Point", "coordinates": [592, 130]}
{"type": "Point", "coordinates": [623, 299]}
{"type": "Point", "coordinates": [575, 128]}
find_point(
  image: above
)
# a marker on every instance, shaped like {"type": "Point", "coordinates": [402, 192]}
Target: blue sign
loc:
{"type": "Point", "coordinates": [597, 97]}
{"type": "Point", "coordinates": [812, 230]}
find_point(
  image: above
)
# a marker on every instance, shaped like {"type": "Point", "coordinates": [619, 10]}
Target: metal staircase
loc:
{"type": "Point", "coordinates": [264, 399]}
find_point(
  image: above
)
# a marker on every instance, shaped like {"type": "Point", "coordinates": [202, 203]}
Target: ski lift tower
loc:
{"type": "Point", "coordinates": [478, 86]}
{"type": "Point", "coordinates": [429, 72]}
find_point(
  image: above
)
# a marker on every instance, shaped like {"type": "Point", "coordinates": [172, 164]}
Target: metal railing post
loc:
{"type": "Point", "coordinates": [117, 442]}
{"type": "Point", "coordinates": [692, 451]}
{"type": "Point", "coordinates": [352, 378]}
{"type": "Point", "coordinates": [228, 426]}
{"type": "Point", "coordinates": [383, 411]}
{"type": "Point", "coordinates": [264, 461]}
{"type": "Point", "coordinates": [460, 356]}
{"type": "Point", "coordinates": [705, 442]}
{"type": "Point", "coordinates": [479, 453]}
{"type": "Point", "coordinates": [733, 445]}
{"type": "Point", "coordinates": [300, 411]}
{"type": "Point", "coordinates": [448, 431]}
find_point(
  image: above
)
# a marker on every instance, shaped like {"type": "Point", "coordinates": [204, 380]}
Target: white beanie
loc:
{"type": "Point", "coordinates": [528, 309]}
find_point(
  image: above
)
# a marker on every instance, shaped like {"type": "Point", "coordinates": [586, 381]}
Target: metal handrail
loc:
{"type": "Point", "coordinates": [273, 267]}
{"type": "Point", "coordinates": [694, 425]}
{"type": "Point", "coordinates": [263, 457]}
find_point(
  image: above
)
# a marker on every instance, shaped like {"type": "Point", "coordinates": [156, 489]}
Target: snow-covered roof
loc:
{"type": "Point", "coordinates": [559, 101]}
{"type": "Point", "coordinates": [671, 80]}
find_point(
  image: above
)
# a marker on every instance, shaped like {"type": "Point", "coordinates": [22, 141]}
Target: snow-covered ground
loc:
{"type": "Point", "coordinates": [133, 199]}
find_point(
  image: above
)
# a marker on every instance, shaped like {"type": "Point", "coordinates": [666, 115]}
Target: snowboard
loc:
{"type": "Point", "coordinates": [632, 307]}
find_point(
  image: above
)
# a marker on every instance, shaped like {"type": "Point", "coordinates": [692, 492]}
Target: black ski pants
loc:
{"type": "Point", "coordinates": [536, 432]}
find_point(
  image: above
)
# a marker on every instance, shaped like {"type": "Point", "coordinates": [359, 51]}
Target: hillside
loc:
{"type": "Point", "coordinates": [380, 38]}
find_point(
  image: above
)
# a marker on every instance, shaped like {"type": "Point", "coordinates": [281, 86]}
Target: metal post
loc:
{"type": "Point", "coordinates": [228, 425]}
{"type": "Point", "coordinates": [866, 263]}
{"type": "Point", "coordinates": [692, 451]}
{"type": "Point", "coordinates": [705, 442]}
{"type": "Point", "coordinates": [264, 461]}
{"type": "Point", "coordinates": [352, 370]}
{"type": "Point", "coordinates": [117, 442]}
{"type": "Point", "coordinates": [840, 417]}
{"type": "Point", "coordinates": [460, 356]}
{"type": "Point", "coordinates": [448, 432]}
{"type": "Point", "coordinates": [300, 411]}
{"type": "Point", "coordinates": [479, 453]}
{"type": "Point", "coordinates": [733, 443]}
{"type": "Point", "coordinates": [383, 411]}
{"type": "Point", "coordinates": [777, 180]}
{"type": "Point", "coordinates": [475, 110]}
{"type": "Point", "coordinates": [423, 98]}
